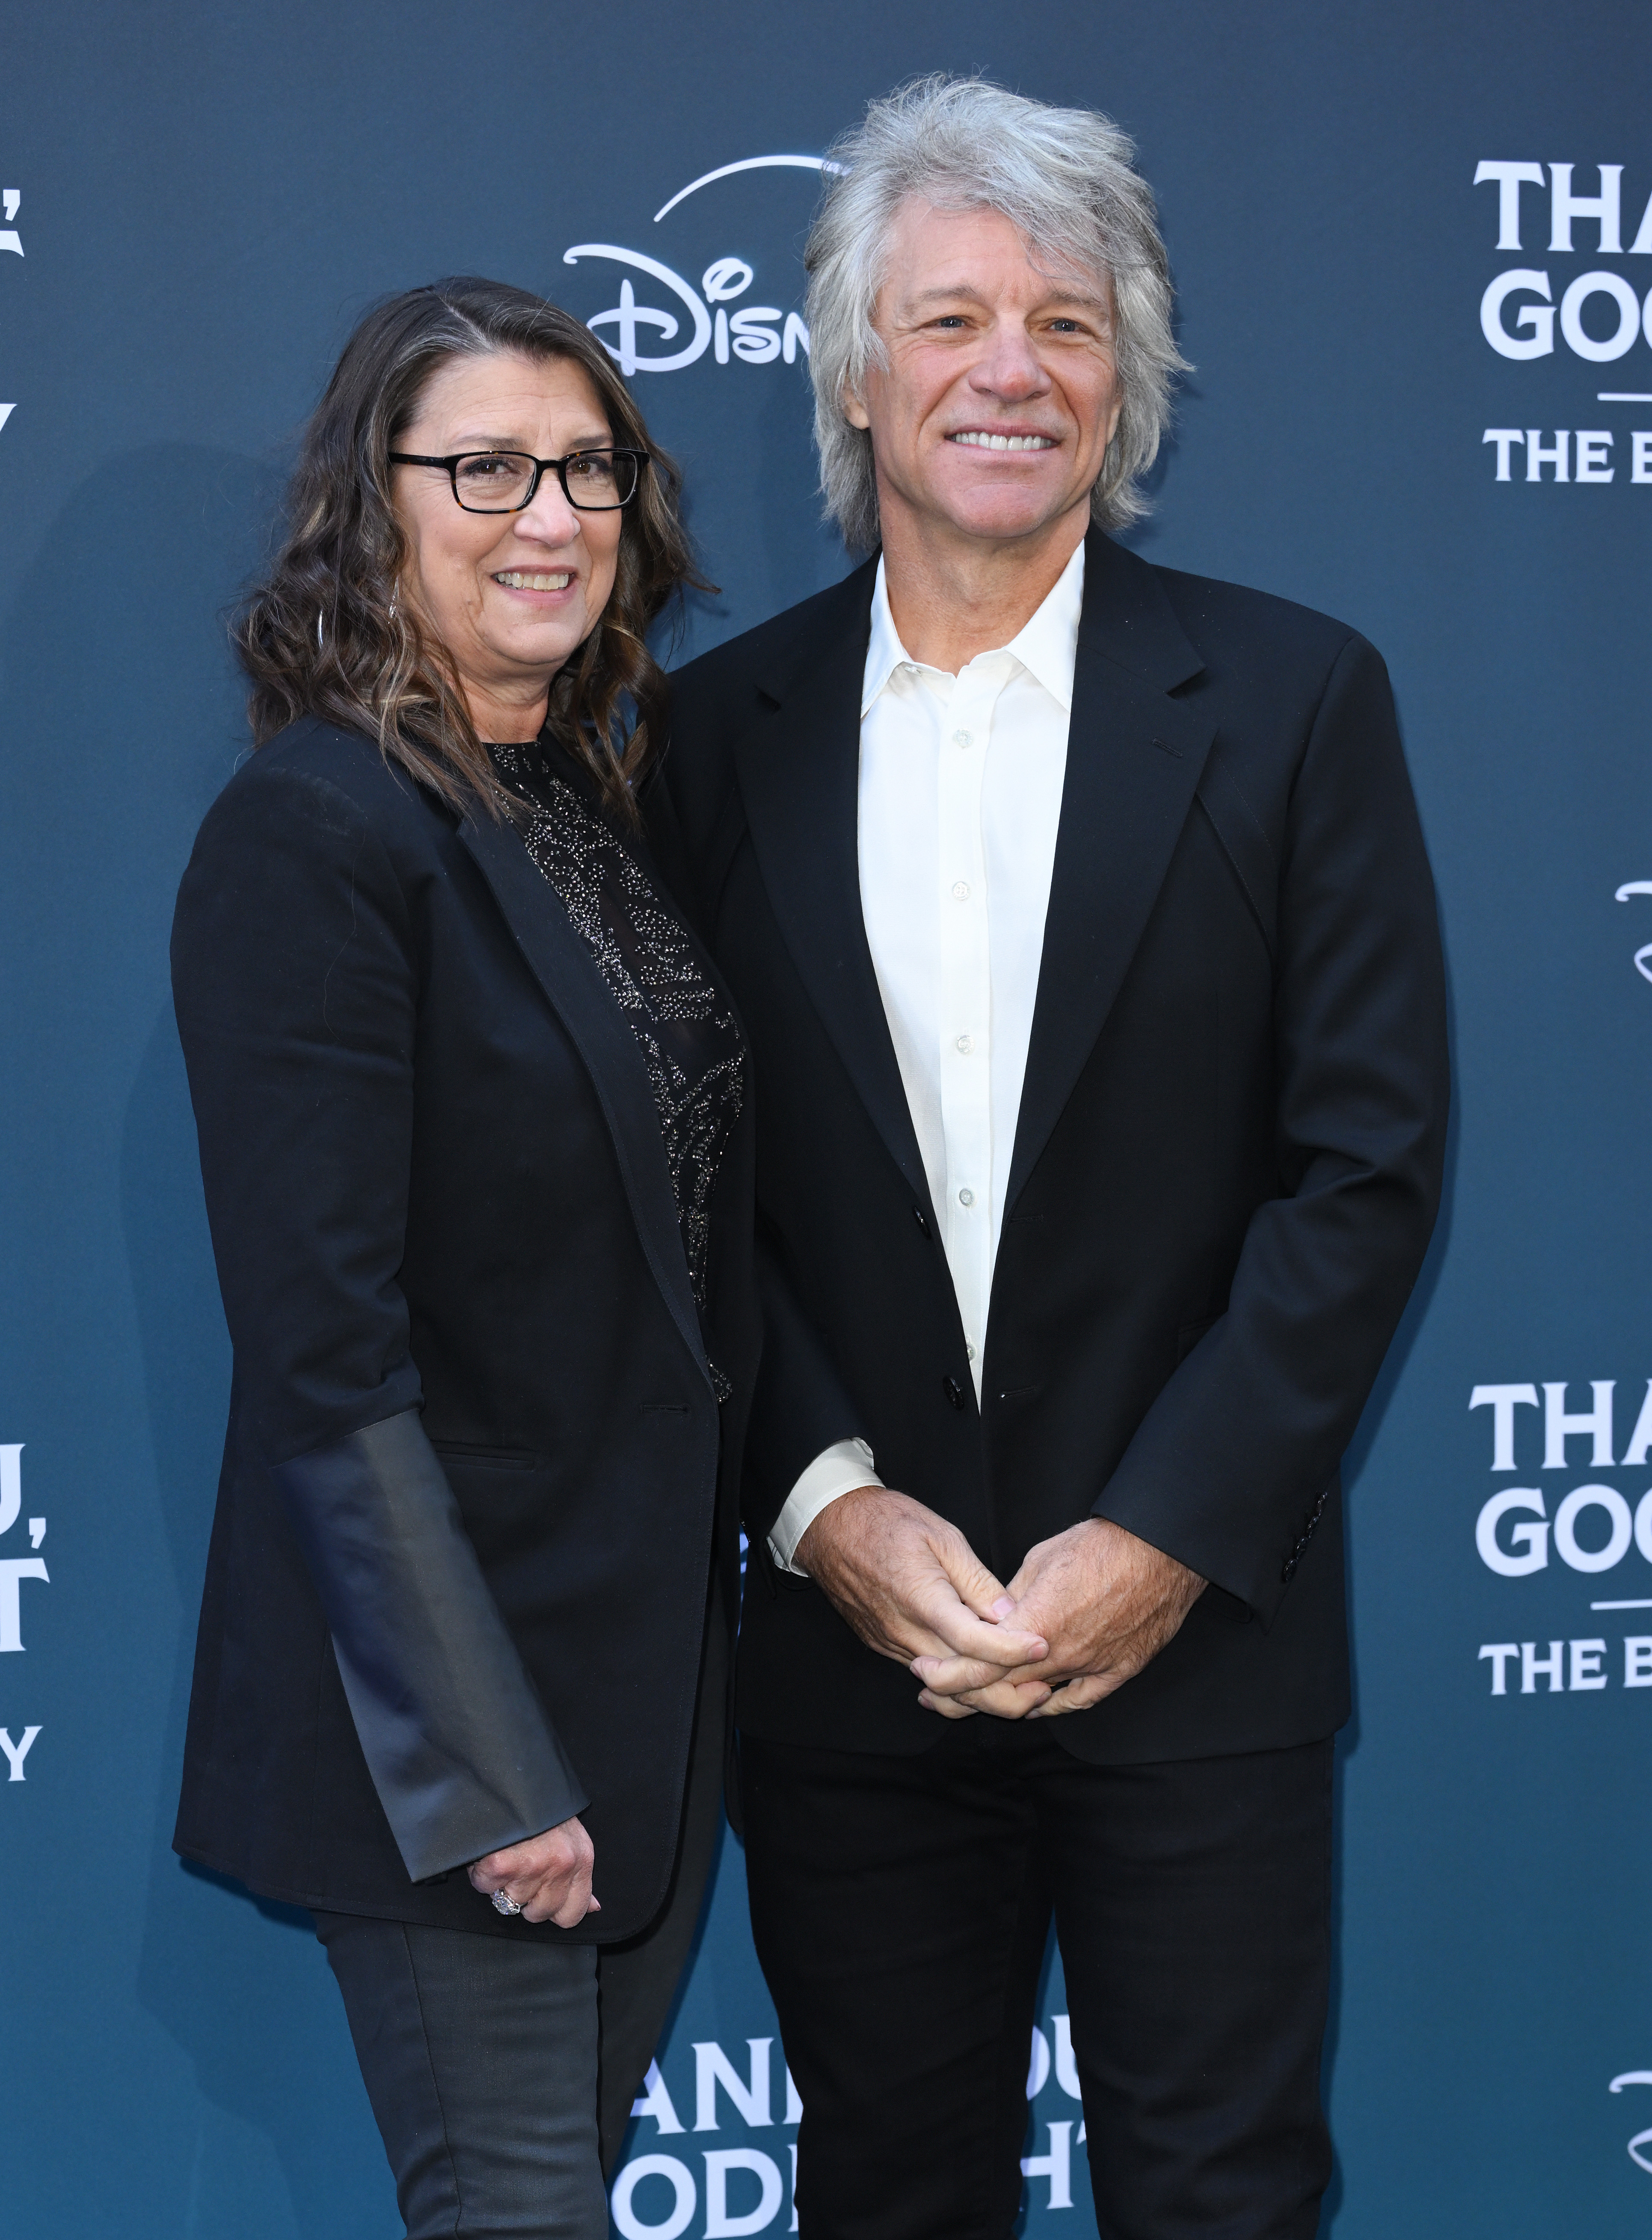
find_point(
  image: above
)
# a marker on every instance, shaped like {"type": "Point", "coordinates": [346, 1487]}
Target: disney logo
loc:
{"type": "Point", "coordinates": [755, 333]}
{"type": "Point", "coordinates": [1642, 957]}
{"type": "Point", "coordinates": [1641, 2138]}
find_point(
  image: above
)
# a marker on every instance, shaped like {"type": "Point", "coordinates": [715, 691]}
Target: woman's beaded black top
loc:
{"type": "Point", "coordinates": [691, 1041]}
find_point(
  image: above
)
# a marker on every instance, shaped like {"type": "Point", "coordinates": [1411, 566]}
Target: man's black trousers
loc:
{"type": "Point", "coordinates": [900, 1907]}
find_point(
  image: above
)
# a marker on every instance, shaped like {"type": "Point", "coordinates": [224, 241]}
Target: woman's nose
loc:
{"type": "Point", "coordinates": [549, 517]}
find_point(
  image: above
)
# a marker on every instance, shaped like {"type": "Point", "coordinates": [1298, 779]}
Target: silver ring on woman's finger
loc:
{"type": "Point", "coordinates": [503, 1903]}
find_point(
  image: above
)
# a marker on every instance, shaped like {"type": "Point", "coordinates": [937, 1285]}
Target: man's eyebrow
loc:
{"type": "Point", "coordinates": [965, 292]}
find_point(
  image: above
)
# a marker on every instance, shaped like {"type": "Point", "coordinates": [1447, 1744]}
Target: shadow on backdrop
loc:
{"type": "Point", "coordinates": [239, 1982]}
{"type": "Point", "coordinates": [1365, 1436]}
{"type": "Point", "coordinates": [241, 1987]}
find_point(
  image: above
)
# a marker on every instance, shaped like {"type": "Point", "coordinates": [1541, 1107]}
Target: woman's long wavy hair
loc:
{"type": "Point", "coordinates": [326, 634]}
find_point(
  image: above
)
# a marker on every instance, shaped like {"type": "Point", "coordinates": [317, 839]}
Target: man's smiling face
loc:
{"type": "Point", "coordinates": [993, 416]}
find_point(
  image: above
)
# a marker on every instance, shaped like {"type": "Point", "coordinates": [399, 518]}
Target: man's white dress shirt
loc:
{"type": "Point", "coordinates": [960, 799]}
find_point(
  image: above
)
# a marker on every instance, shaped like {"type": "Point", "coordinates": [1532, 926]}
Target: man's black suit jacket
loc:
{"type": "Point", "coordinates": [457, 1584]}
{"type": "Point", "coordinates": [1226, 1167]}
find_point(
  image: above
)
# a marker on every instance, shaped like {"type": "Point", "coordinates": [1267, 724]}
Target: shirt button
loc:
{"type": "Point", "coordinates": [966, 1044]}
{"type": "Point", "coordinates": [961, 890]}
{"type": "Point", "coordinates": [962, 738]}
{"type": "Point", "coordinates": [966, 1198]}
{"type": "Point", "coordinates": [969, 1350]}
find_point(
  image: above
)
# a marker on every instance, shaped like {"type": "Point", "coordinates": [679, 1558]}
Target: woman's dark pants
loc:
{"type": "Point", "coordinates": [503, 2075]}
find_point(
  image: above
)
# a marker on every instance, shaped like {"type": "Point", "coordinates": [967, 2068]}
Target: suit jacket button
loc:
{"type": "Point", "coordinates": [954, 1391]}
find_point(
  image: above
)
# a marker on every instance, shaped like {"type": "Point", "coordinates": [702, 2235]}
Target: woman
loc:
{"type": "Point", "coordinates": [474, 1133]}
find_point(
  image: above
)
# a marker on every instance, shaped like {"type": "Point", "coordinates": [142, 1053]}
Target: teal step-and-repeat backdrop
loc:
{"type": "Point", "coordinates": [1414, 247]}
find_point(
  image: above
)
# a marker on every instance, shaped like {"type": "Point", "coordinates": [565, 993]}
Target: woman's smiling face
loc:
{"type": "Point", "coordinates": [508, 594]}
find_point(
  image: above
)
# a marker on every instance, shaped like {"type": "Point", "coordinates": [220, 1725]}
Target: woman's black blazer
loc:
{"type": "Point", "coordinates": [458, 1577]}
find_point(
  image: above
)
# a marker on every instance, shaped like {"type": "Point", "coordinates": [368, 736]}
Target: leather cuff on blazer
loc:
{"type": "Point", "coordinates": [460, 1750]}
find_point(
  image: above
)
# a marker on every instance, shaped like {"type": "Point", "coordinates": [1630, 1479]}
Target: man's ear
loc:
{"type": "Point", "coordinates": [852, 411]}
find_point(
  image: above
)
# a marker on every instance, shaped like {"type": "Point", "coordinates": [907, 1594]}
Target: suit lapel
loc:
{"type": "Point", "coordinates": [568, 974]}
{"type": "Point", "coordinates": [800, 783]}
{"type": "Point", "coordinates": [1134, 759]}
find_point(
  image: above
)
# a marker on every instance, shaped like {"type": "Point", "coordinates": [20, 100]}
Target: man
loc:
{"type": "Point", "coordinates": [1079, 916]}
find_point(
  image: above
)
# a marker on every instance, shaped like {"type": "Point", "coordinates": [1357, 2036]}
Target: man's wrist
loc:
{"type": "Point", "coordinates": [839, 1471]}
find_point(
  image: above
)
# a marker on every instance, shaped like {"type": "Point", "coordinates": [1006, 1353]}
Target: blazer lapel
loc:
{"type": "Point", "coordinates": [567, 972]}
{"type": "Point", "coordinates": [800, 783]}
{"type": "Point", "coordinates": [1134, 760]}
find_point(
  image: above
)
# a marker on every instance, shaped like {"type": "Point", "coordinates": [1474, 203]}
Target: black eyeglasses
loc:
{"type": "Point", "coordinates": [506, 482]}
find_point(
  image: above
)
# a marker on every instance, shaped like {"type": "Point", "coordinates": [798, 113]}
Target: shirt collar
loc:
{"type": "Point", "coordinates": [1046, 646]}
{"type": "Point", "coordinates": [884, 652]}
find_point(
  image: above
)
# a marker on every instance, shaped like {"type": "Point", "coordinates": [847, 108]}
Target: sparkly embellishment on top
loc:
{"type": "Point", "coordinates": [690, 1042]}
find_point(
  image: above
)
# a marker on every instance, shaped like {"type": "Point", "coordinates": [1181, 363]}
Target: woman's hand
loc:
{"type": "Point", "coordinates": [549, 1876]}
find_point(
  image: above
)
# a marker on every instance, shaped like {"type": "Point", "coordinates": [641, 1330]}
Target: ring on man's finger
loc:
{"type": "Point", "coordinates": [503, 1903]}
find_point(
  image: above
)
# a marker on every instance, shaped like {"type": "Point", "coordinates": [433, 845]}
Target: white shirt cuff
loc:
{"type": "Point", "coordinates": [839, 1471]}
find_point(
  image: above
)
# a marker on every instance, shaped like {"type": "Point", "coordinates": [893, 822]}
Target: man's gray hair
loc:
{"type": "Point", "coordinates": [1066, 178]}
